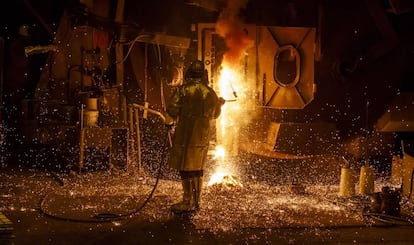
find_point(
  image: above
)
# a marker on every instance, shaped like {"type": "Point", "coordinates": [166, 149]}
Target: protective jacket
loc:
{"type": "Point", "coordinates": [195, 106]}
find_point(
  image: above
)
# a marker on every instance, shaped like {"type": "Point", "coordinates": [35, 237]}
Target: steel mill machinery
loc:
{"type": "Point", "coordinates": [99, 66]}
{"type": "Point", "coordinates": [277, 73]}
{"type": "Point", "coordinates": [81, 106]}
{"type": "Point", "coordinates": [78, 103]}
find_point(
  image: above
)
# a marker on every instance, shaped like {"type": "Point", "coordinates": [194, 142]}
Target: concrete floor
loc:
{"type": "Point", "coordinates": [117, 207]}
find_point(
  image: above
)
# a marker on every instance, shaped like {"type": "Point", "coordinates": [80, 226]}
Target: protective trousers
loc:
{"type": "Point", "coordinates": [192, 185]}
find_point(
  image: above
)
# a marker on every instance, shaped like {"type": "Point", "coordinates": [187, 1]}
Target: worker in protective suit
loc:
{"type": "Point", "coordinates": [194, 106]}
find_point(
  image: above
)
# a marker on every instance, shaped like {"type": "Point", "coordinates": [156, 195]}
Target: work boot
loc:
{"type": "Point", "coordinates": [187, 204]}
{"type": "Point", "coordinates": [198, 185]}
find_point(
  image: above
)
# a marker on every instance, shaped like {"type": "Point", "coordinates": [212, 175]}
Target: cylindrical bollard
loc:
{"type": "Point", "coordinates": [346, 185]}
{"type": "Point", "coordinates": [366, 180]}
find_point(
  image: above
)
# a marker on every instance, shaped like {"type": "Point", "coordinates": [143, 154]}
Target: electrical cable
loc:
{"type": "Point", "coordinates": [57, 178]}
{"type": "Point", "coordinates": [385, 218]}
{"type": "Point", "coordinates": [346, 204]}
{"type": "Point", "coordinates": [110, 217]}
{"type": "Point", "coordinates": [389, 219]}
{"type": "Point", "coordinates": [131, 45]}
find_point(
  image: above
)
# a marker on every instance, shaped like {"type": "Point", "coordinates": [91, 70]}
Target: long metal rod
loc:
{"type": "Point", "coordinates": [131, 119]}
{"type": "Point", "coordinates": [366, 134]}
{"type": "Point", "coordinates": [42, 21]}
{"type": "Point", "coordinates": [146, 73]}
{"type": "Point", "coordinates": [81, 141]}
{"type": "Point", "coordinates": [2, 50]}
{"type": "Point", "coordinates": [138, 135]}
{"type": "Point", "coordinates": [145, 108]}
{"type": "Point", "coordinates": [150, 111]}
{"type": "Point", "coordinates": [119, 54]}
{"type": "Point", "coordinates": [131, 135]}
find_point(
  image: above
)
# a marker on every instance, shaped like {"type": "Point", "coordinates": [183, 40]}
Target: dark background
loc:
{"type": "Point", "coordinates": [358, 74]}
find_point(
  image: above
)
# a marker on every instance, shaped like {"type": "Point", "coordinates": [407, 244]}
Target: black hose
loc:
{"type": "Point", "coordinates": [56, 177]}
{"type": "Point", "coordinates": [385, 218]}
{"type": "Point", "coordinates": [389, 219]}
{"type": "Point", "coordinates": [109, 217]}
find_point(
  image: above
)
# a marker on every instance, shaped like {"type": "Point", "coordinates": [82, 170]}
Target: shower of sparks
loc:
{"type": "Point", "coordinates": [254, 205]}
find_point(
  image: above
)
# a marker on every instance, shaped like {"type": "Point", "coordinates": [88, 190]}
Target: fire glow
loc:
{"type": "Point", "coordinates": [233, 87]}
{"type": "Point", "coordinates": [224, 174]}
{"type": "Point", "coordinates": [227, 129]}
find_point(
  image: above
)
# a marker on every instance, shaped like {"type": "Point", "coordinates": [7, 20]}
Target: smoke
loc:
{"type": "Point", "coordinates": [233, 80]}
{"type": "Point", "coordinates": [230, 27]}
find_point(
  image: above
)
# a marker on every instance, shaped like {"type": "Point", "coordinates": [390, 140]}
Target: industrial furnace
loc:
{"type": "Point", "coordinates": [84, 98]}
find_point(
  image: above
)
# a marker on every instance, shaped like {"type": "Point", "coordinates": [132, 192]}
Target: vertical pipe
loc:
{"type": "Point", "coordinates": [366, 135]}
{"type": "Point", "coordinates": [146, 73]}
{"type": "Point", "coordinates": [264, 89]}
{"type": "Point", "coordinates": [130, 144]}
{"type": "Point", "coordinates": [81, 149]}
{"type": "Point", "coordinates": [131, 120]}
{"type": "Point", "coordinates": [119, 53]}
{"type": "Point", "coordinates": [319, 30]}
{"type": "Point", "coordinates": [163, 105]}
{"type": "Point", "coordinates": [81, 141]}
{"type": "Point", "coordinates": [2, 49]}
{"type": "Point", "coordinates": [138, 135]}
{"type": "Point", "coordinates": [2, 129]}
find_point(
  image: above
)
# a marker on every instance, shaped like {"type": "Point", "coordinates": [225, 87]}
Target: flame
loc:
{"type": "Point", "coordinates": [224, 174]}
{"type": "Point", "coordinates": [225, 178]}
{"type": "Point", "coordinates": [220, 153]}
{"type": "Point", "coordinates": [217, 177]}
{"type": "Point", "coordinates": [232, 86]}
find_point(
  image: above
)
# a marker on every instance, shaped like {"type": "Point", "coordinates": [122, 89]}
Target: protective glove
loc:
{"type": "Point", "coordinates": [221, 101]}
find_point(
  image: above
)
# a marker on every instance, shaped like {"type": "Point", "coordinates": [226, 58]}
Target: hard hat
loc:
{"type": "Point", "coordinates": [24, 30]}
{"type": "Point", "coordinates": [196, 69]}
